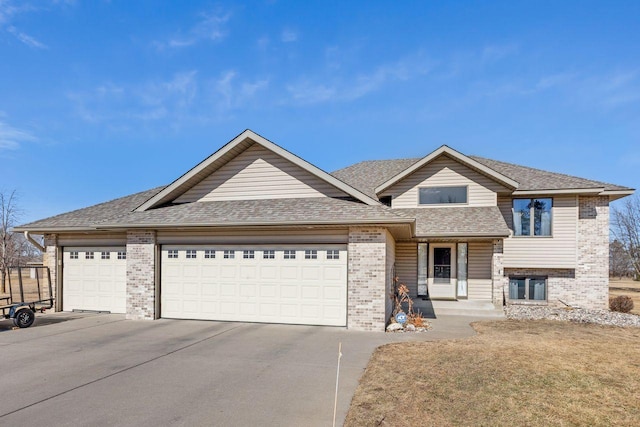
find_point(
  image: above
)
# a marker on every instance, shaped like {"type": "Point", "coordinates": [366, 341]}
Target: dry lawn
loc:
{"type": "Point", "coordinates": [626, 287]}
{"type": "Point", "coordinates": [514, 373]}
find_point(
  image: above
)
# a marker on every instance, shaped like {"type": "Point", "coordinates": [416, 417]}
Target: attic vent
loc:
{"type": "Point", "coordinates": [386, 200]}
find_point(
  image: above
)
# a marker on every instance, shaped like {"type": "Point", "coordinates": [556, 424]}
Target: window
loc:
{"type": "Point", "coordinates": [248, 254]}
{"type": "Point", "coordinates": [310, 254]}
{"type": "Point", "coordinates": [333, 254]}
{"type": "Point", "coordinates": [269, 254]}
{"type": "Point", "coordinates": [532, 217]}
{"type": "Point", "coordinates": [209, 253]}
{"type": "Point", "coordinates": [122, 255]}
{"type": "Point", "coordinates": [229, 254]}
{"type": "Point", "coordinates": [73, 255]}
{"type": "Point", "coordinates": [528, 288]}
{"type": "Point", "coordinates": [191, 253]}
{"type": "Point", "coordinates": [105, 255]}
{"type": "Point", "coordinates": [289, 254]}
{"type": "Point", "coordinates": [442, 195]}
{"type": "Point", "coordinates": [173, 253]}
{"type": "Point", "coordinates": [88, 255]}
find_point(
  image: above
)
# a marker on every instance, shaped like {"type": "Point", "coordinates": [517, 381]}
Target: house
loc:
{"type": "Point", "coordinates": [255, 233]}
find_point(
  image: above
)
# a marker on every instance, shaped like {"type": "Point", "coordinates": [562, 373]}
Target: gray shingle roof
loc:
{"type": "Point", "coordinates": [86, 217]}
{"type": "Point", "coordinates": [320, 210]}
{"type": "Point", "coordinates": [484, 221]}
{"type": "Point", "coordinates": [366, 176]}
{"type": "Point", "coordinates": [537, 179]}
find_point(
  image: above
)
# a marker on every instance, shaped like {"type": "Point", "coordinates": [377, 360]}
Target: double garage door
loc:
{"type": "Point", "coordinates": [260, 283]}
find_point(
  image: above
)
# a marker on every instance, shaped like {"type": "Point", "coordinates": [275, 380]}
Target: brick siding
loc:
{"type": "Point", "coordinates": [141, 295]}
{"type": "Point", "coordinates": [370, 264]}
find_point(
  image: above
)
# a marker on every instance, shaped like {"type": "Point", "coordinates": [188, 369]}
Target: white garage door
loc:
{"type": "Point", "coordinates": [94, 279]}
{"type": "Point", "coordinates": [281, 284]}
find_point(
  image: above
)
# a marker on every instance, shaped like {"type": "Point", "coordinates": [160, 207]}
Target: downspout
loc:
{"type": "Point", "coordinates": [33, 242]}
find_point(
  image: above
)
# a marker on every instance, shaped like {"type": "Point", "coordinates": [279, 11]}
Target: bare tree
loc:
{"type": "Point", "coordinates": [9, 247]}
{"type": "Point", "coordinates": [619, 262]}
{"type": "Point", "coordinates": [625, 226]}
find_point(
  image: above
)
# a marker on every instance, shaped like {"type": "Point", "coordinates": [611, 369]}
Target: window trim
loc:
{"type": "Point", "coordinates": [531, 216]}
{"type": "Point", "coordinates": [466, 187]}
{"type": "Point", "coordinates": [527, 279]}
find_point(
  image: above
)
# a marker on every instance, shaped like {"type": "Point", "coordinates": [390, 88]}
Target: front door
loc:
{"type": "Point", "coordinates": [442, 275]}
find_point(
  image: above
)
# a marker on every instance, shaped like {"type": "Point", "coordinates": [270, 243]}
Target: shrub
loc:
{"type": "Point", "coordinates": [622, 303]}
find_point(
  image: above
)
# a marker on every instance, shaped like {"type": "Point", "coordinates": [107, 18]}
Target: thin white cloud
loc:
{"type": "Point", "coordinates": [288, 36]}
{"type": "Point", "coordinates": [496, 52]}
{"type": "Point", "coordinates": [25, 38]}
{"type": "Point", "coordinates": [210, 27]}
{"type": "Point", "coordinates": [8, 11]}
{"type": "Point", "coordinates": [11, 137]}
{"type": "Point", "coordinates": [310, 91]}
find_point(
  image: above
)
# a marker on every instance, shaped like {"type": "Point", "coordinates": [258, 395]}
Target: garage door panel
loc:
{"type": "Point", "coordinates": [281, 284]}
{"type": "Point", "coordinates": [94, 279]}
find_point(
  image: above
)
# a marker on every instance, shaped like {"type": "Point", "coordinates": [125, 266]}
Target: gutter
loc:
{"type": "Point", "coordinates": [34, 242]}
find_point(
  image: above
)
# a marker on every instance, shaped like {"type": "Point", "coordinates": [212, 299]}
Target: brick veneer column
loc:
{"type": "Point", "coordinates": [141, 294]}
{"type": "Point", "coordinates": [497, 273]}
{"type": "Point", "coordinates": [592, 271]}
{"type": "Point", "coordinates": [50, 259]}
{"type": "Point", "coordinates": [367, 278]}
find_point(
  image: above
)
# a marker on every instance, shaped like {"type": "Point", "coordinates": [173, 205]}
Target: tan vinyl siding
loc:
{"type": "Point", "coordinates": [258, 173]}
{"type": "Point", "coordinates": [480, 283]}
{"type": "Point", "coordinates": [253, 237]}
{"type": "Point", "coordinates": [98, 239]}
{"type": "Point", "coordinates": [557, 251]}
{"type": "Point", "coordinates": [444, 171]}
{"type": "Point", "coordinates": [407, 266]}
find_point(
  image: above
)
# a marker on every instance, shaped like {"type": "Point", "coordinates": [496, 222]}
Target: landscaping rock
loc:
{"type": "Point", "coordinates": [393, 327]}
{"type": "Point", "coordinates": [410, 328]}
{"type": "Point", "coordinates": [571, 314]}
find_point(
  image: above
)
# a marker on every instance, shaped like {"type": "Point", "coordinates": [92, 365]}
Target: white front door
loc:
{"type": "Point", "coordinates": [442, 271]}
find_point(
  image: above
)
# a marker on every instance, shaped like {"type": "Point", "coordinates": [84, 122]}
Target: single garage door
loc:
{"type": "Point", "coordinates": [270, 284]}
{"type": "Point", "coordinates": [94, 279]}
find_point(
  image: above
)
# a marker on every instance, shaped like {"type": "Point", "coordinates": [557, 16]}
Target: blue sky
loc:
{"type": "Point", "coordinates": [100, 99]}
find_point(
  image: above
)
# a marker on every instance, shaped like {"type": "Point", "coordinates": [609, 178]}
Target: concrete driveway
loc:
{"type": "Point", "coordinates": [99, 370]}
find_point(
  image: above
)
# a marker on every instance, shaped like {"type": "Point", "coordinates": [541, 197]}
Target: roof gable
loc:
{"type": "Point", "coordinates": [459, 157]}
{"type": "Point", "coordinates": [232, 150]}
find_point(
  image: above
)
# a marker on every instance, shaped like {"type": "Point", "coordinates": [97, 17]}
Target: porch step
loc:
{"type": "Point", "coordinates": [476, 308]}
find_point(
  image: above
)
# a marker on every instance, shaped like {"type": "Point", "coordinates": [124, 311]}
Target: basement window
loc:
{"type": "Point", "coordinates": [528, 288]}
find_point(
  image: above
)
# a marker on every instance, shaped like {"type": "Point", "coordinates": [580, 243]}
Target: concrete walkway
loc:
{"type": "Point", "coordinates": [88, 369]}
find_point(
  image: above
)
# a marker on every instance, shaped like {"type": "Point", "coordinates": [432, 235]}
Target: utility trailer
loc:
{"type": "Point", "coordinates": [29, 290]}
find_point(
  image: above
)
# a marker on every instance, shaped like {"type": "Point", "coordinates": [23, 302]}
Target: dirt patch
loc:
{"type": "Point", "coordinates": [512, 373]}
